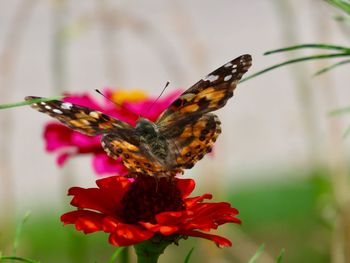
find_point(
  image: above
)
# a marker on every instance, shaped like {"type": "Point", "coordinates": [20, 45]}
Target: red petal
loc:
{"type": "Point", "coordinates": [115, 185]}
{"type": "Point", "coordinates": [168, 230]}
{"type": "Point", "coordinates": [194, 200]}
{"type": "Point", "coordinates": [110, 224]}
{"type": "Point", "coordinates": [165, 230]}
{"type": "Point", "coordinates": [219, 241]}
{"type": "Point", "coordinates": [86, 221]}
{"type": "Point", "coordinates": [185, 186]}
{"type": "Point", "coordinates": [93, 198]}
{"type": "Point", "coordinates": [127, 235]}
{"type": "Point", "coordinates": [150, 226]}
{"type": "Point", "coordinates": [172, 218]}
{"type": "Point", "coordinates": [211, 215]}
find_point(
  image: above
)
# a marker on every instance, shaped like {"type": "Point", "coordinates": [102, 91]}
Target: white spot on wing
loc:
{"type": "Point", "coordinates": [48, 107]}
{"type": "Point", "coordinates": [66, 106]}
{"type": "Point", "coordinates": [234, 71]}
{"type": "Point", "coordinates": [228, 77]}
{"type": "Point", "coordinates": [228, 65]}
{"type": "Point", "coordinates": [86, 122]}
{"type": "Point", "coordinates": [94, 114]}
{"type": "Point", "coordinates": [211, 78]}
{"type": "Point", "coordinates": [57, 111]}
{"type": "Point", "coordinates": [42, 103]}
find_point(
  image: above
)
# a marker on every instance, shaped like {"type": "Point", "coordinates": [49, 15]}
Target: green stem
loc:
{"type": "Point", "coordinates": [28, 102]}
{"type": "Point", "coordinates": [149, 251]}
{"type": "Point", "coordinates": [303, 46]}
{"type": "Point", "coordinates": [124, 256]}
{"type": "Point", "coordinates": [314, 57]}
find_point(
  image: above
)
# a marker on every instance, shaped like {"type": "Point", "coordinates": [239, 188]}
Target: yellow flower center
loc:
{"type": "Point", "coordinates": [121, 96]}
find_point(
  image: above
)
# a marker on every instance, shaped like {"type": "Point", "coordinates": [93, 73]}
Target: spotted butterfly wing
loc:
{"type": "Point", "coordinates": [91, 122]}
{"type": "Point", "coordinates": [209, 94]}
{"type": "Point", "coordinates": [78, 118]}
{"type": "Point", "coordinates": [190, 130]}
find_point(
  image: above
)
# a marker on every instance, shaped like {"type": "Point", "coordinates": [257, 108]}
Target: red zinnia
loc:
{"type": "Point", "coordinates": [68, 143]}
{"type": "Point", "coordinates": [135, 210]}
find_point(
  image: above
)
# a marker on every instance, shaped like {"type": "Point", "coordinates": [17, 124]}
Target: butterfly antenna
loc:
{"type": "Point", "coordinates": [154, 102]}
{"type": "Point", "coordinates": [115, 103]}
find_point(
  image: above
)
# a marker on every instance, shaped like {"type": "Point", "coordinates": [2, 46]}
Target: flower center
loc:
{"type": "Point", "coordinates": [149, 196]}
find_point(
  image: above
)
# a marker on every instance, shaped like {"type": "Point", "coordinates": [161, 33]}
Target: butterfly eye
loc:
{"type": "Point", "coordinates": [188, 154]}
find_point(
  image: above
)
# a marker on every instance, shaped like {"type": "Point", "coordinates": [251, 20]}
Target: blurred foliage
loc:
{"type": "Point", "coordinates": [343, 5]}
{"type": "Point", "coordinates": [257, 254]}
{"type": "Point", "coordinates": [288, 213]}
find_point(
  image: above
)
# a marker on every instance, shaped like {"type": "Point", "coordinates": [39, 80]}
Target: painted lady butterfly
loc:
{"type": "Point", "coordinates": [181, 136]}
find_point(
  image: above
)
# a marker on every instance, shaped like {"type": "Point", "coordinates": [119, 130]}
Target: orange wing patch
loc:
{"type": "Point", "coordinates": [136, 159]}
{"type": "Point", "coordinates": [196, 140]}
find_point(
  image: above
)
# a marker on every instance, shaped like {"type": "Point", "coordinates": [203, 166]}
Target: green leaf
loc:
{"type": "Point", "coordinates": [339, 111]}
{"type": "Point", "coordinates": [189, 254]}
{"type": "Point", "coordinates": [115, 254]}
{"type": "Point", "coordinates": [292, 61]}
{"type": "Point", "coordinates": [28, 102]}
{"type": "Point", "coordinates": [303, 46]}
{"type": "Point", "coordinates": [328, 68]}
{"type": "Point", "coordinates": [341, 4]}
{"type": "Point", "coordinates": [18, 259]}
{"type": "Point", "coordinates": [257, 254]}
{"type": "Point", "coordinates": [18, 233]}
{"type": "Point", "coordinates": [281, 256]}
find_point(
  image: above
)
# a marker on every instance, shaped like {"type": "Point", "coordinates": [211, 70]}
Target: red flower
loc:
{"type": "Point", "coordinates": [68, 143]}
{"type": "Point", "coordinates": [135, 210]}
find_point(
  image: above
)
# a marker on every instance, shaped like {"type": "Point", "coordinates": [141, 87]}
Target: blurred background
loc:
{"type": "Point", "coordinates": [281, 159]}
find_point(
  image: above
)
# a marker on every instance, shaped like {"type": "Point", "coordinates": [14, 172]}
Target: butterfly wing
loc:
{"type": "Point", "coordinates": [119, 139]}
{"type": "Point", "coordinates": [208, 94]}
{"type": "Point", "coordinates": [78, 118]}
{"type": "Point", "coordinates": [190, 141]}
{"type": "Point", "coordinates": [188, 127]}
{"type": "Point", "coordinates": [134, 154]}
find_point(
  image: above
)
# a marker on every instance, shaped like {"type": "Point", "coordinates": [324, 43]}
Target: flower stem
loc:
{"type": "Point", "coordinates": [149, 251]}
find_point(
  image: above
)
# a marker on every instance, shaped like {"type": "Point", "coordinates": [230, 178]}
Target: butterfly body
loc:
{"type": "Point", "coordinates": [180, 137]}
{"type": "Point", "coordinates": [156, 144]}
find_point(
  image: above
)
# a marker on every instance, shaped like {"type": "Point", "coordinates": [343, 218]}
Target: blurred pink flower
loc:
{"type": "Point", "coordinates": [68, 143]}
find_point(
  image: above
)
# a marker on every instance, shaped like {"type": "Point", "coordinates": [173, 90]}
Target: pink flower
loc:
{"type": "Point", "coordinates": [68, 143]}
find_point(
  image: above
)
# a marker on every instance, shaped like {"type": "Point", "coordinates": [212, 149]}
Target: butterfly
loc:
{"type": "Point", "coordinates": [180, 137]}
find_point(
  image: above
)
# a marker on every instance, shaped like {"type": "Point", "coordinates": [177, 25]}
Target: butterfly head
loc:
{"type": "Point", "coordinates": [146, 127]}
